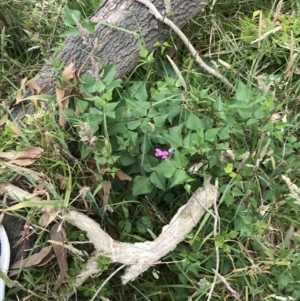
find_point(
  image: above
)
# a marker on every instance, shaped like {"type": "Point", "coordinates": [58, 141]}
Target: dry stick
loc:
{"type": "Point", "coordinates": [137, 256]}
{"type": "Point", "coordinates": [216, 231]}
{"type": "Point", "coordinates": [234, 293]}
{"type": "Point", "coordinates": [140, 256]}
{"type": "Point", "coordinates": [186, 41]}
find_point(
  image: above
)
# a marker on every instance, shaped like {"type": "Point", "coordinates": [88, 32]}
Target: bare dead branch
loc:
{"type": "Point", "coordinates": [186, 41]}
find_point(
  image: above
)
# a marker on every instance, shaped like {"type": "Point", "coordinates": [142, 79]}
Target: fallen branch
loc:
{"type": "Point", "coordinates": [186, 41]}
{"type": "Point", "coordinates": [140, 256]}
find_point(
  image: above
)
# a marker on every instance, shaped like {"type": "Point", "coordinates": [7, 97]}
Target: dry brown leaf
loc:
{"type": "Point", "coordinates": [57, 233]}
{"type": "Point", "coordinates": [77, 112]}
{"type": "Point", "coordinates": [123, 176]}
{"type": "Point", "coordinates": [39, 187]}
{"type": "Point", "coordinates": [46, 89]}
{"type": "Point", "coordinates": [33, 260]}
{"type": "Point", "coordinates": [59, 96]}
{"type": "Point", "coordinates": [62, 121]}
{"type": "Point", "coordinates": [48, 216]}
{"type": "Point", "coordinates": [4, 119]}
{"type": "Point", "coordinates": [65, 103]}
{"type": "Point", "coordinates": [62, 180]}
{"type": "Point", "coordinates": [69, 71]}
{"type": "Point", "coordinates": [46, 259]}
{"type": "Point", "coordinates": [28, 153]}
{"type": "Point", "coordinates": [33, 86]}
{"type": "Point", "coordinates": [19, 97]}
{"type": "Point", "coordinates": [68, 77]}
{"type": "Point", "coordinates": [288, 236]}
{"type": "Point", "coordinates": [2, 189]}
{"type": "Point", "coordinates": [106, 191]}
{"type": "Point", "coordinates": [22, 162]}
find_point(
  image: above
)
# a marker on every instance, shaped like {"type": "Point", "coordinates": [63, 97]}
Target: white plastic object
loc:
{"type": "Point", "coordinates": [4, 258]}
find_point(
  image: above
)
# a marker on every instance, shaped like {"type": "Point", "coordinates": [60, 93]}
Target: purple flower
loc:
{"type": "Point", "coordinates": [161, 153]}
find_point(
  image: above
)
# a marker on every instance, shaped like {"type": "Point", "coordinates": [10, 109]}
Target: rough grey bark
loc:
{"type": "Point", "coordinates": [122, 28]}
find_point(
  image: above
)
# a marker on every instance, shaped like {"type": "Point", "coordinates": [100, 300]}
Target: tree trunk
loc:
{"type": "Point", "coordinates": [123, 26]}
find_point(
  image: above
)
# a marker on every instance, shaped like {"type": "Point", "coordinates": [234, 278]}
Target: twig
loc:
{"type": "Point", "coordinates": [216, 231]}
{"type": "Point", "coordinates": [234, 293]}
{"type": "Point", "coordinates": [186, 41]}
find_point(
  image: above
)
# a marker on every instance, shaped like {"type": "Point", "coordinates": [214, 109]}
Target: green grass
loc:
{"type": "Point", "coordinates": [150, 109]}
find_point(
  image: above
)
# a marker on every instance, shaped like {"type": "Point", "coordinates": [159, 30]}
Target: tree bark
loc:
{"type": "Point", "coordinates": [123, 26]}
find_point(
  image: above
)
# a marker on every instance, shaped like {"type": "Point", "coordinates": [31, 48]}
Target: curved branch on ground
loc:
{"type": "Point", "coordinates": [140, 256]}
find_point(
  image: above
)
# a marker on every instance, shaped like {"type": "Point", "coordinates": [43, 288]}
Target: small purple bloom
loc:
{"type": "Point", "coordinates": [161, 153]}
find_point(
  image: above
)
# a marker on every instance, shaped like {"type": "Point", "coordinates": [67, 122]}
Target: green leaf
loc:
{"type": "Point", "coordinates": [118, 128]}
{"type": "Point", "coordinates": [141, 185]}
{"type": "Point", "coordinates": [165, 168]}
{"type": "Point", "coordinates": [109, 73]}
{"type": "Point", "coordinates": [219, 240]}
{"type": "Point", "coordinates": [71, 32]}
{"type": "Point", "coordinates": [158, 180]}
{"type": "Point", "coordinates": [229, 200]}
{"type": "Point", "coordinates": [68, 19]}
{"type": "Point", "coordinates": [132, 125]}
{"type": "Point", "coordinates": [175, 130]}
{"type": "Point", "coordinates": [243, 93]}
{"type": "Point", "coordinates": [94, 118]}
{"type": "Point", "coordinates": [193, 140]}
{"type": "Point", "coordinates": [128, 160]}
{"type": "Point", "coordinates": [160, 121]}
{"type": "Point", "coordinates": [149, 162]}
{"type": "Point", "coordinates": [211, 134]}
{"type": "Point", "coordinates": [180, 159]}
{"type": "Point", "coordinates": [228, 168]}
{"type": "Point", "coordinates": [268, 127]}
{"type": "Point", "coordinates": [125, 226]}
{"type": "Point", "coordinates": [224, 133]}
{"type": "Point", "coordinates": [244, 113]}
{"type": "Point", "coordinates": [143, 52]}
{"type": "Point", "coordinates": [138, 107]}
{"type": "Point", "coordinates": [233, 234]}
{"type": "Point", "coordinates": [82, 105]}
{"type": "Point", "coordinates": [179, 177]}
{"type": "Point", "coordinates": [110, 109]}
{"type": "Point", "coordinates": [174, 141]}
{"type": "Point", "coordinates": [218, 105]}
{"type": "Point", "coordinates": [193, 122]}
{"type": "Point", "coordinates": [143, 224]}
{"type": "Point", "coordinates": [89, 26]}
{"type": "Point", "coordinates": [114, 84]}
{"type": "Point", "coordinates": [259, 113]}
{"type": "Point", "coordinates": [247, 219]}
{"type": "Point", "coordinates": [150, 57]}
{"type": "Point", "coordinates": [252, 121]}
{"type": "Point", "coordinates": [138, 91]}
{"type": "Point", "coordinates": [91, 85]}
{"type": "Point", "coordinates": [285, 278]}
{"type": "Point", "coordinates": [174, 138]}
